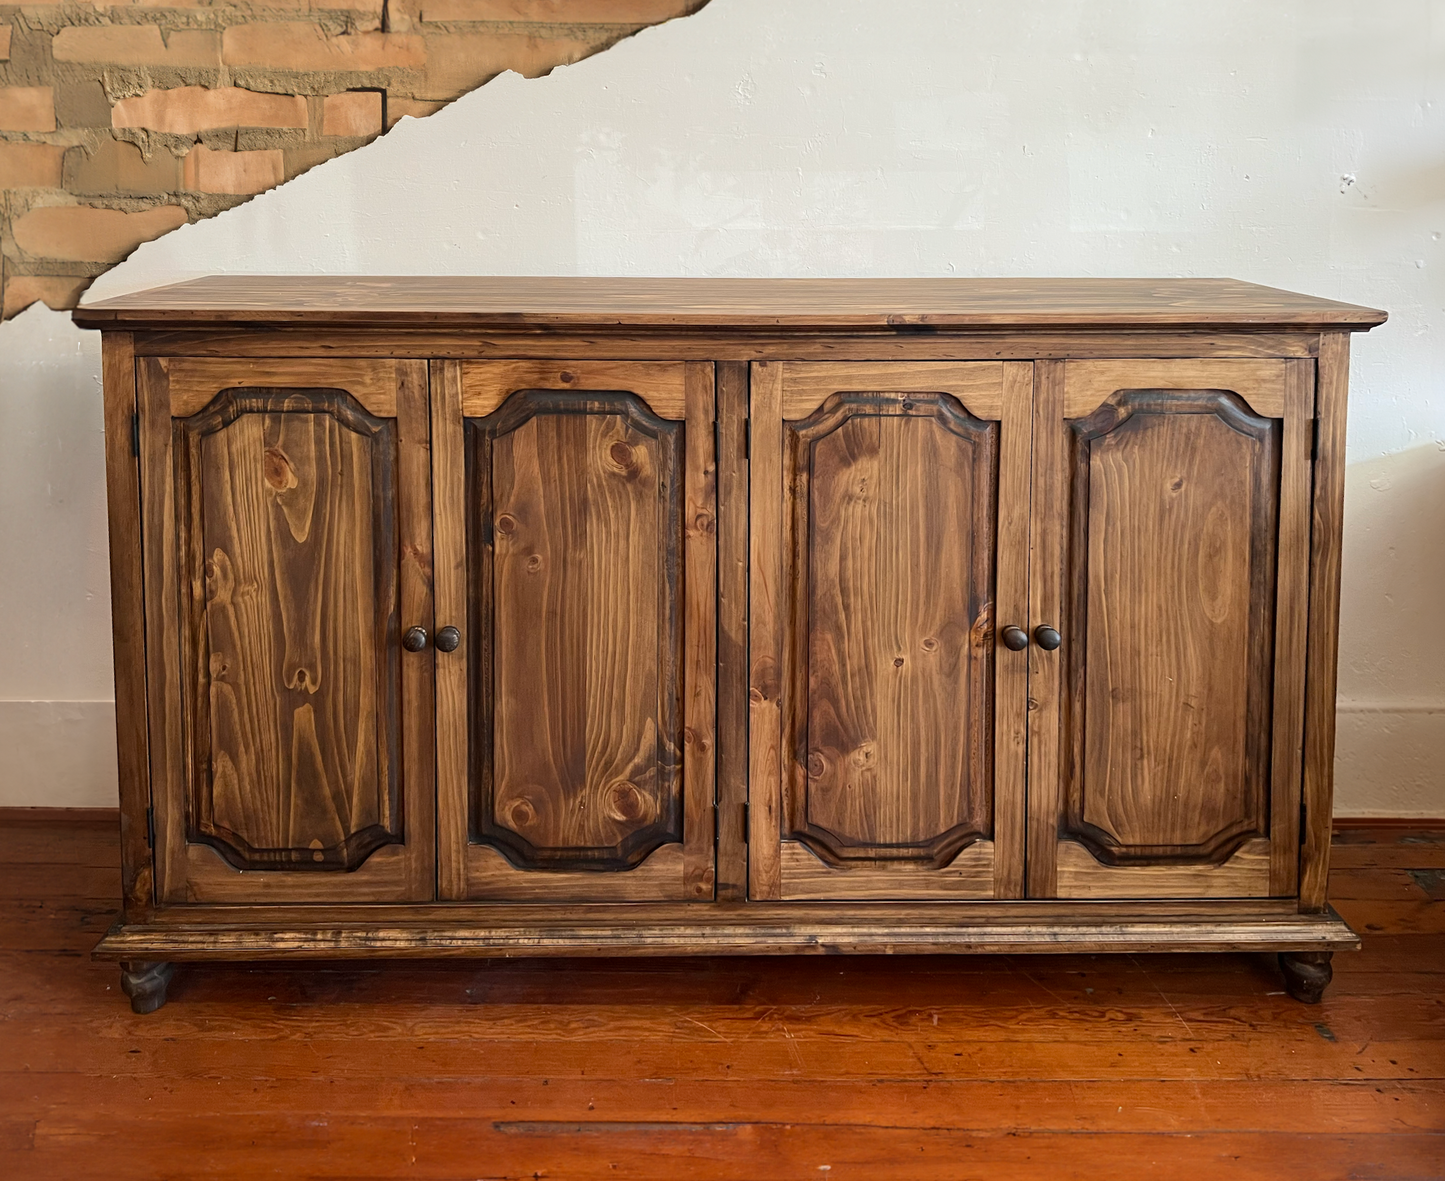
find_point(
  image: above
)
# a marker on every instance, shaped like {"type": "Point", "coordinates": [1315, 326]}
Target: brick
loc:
{"type": "Point", "coordinates": [82, 104]}
{"type": "Point", "coordinates": [459, 62]}
{"type": "Point", "coordinates": [136, 45]}
{"type": "Point", "coordinates": [85, 233]}
{"type": "Point", "coordinates": [356, 112]}
{"type": "Point", "coordinates": [188, 109]}
{"type": "Point", "coordinates": [300, 45]}
{"type": "Point", "coordinates": [30, 166]}
{"type": "Point", "coordinates": [570, 12]}
{"type": "Point", "coordinates": [398, 108]}
{"type": "Point", "coordinates": [4, 43]}
{"type": "Point", "coordinates": [27, 108]}
{"type": "Point", "coordinates": [119, 167]}
{"type": "Point", "coordinates": [233, 172]}
{"type": "Point", "coordinates": [60, 292]}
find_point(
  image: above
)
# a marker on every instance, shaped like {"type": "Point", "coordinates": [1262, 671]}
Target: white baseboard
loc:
{"type": "Point", "coordinates": [57, 754]}
{"type": "Point", "coordinates": [1389, 757]}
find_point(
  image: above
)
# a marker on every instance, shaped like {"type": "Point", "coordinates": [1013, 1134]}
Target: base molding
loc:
{"type": "Point", "coordinates": [740, 930]}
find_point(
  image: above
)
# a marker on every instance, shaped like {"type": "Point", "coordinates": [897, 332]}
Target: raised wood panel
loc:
{"type": "Point", "coordinates": [1166, 742]}
{"type": "Point", "coordinates": [584, 766]}
{"type": "Point", "coordinates": [576, 544]}
{"type": "Point", "coordinates": [1259, 383]}
{"type": "Point", "coordinates": [1175, 513]}
{"type": "Point", "coordinates": [290, 618]}
{"type": "Point", "coordinates": [889, 739]}
{"type": "Point", "coordinates": [875, 551]}
{"type": "Point", "coordinates": [287, 537]}
{"type": "Point", "coordinates": [661, 384]}
{"type": "Point", "coordinates": [195, 380]}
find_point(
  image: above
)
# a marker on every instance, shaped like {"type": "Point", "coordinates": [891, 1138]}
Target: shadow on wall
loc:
{"type": "Point", "coordinates": [119, 124]}
{"type": "Point", "coordinates": [1390, 748]}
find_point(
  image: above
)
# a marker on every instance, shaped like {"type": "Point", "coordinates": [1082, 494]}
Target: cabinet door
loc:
{"type": "Point", "coordinates": [577, 558]}
{"type": "Point", "coordinates": [1171, 539]}
{"type": "Point", "coordinates": [286, 517]}
{"type": "Point", "coordinates": [889, 547]}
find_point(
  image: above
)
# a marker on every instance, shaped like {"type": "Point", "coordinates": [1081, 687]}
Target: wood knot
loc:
{"type": "Point", "coordinates": [277, 470]}
{"type": "Point", "coordinates": [624, 459]}
{"type": "Point", "coordinates": [521, 814]}
{"type": "Point", "coordinates": [817, 764]}
{"type": "Point", "coordinates": [623, 803]}
{"type": "Point", "coordinates": [534, 563]}
{"type": "Point", "coordinates": [929, 644]}
{"type": "Point", "coordinates": [898, 662]}
{"type": "Point", "coordinates": [506, 524]}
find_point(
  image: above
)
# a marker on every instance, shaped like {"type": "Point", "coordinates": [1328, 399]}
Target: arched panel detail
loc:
{"type": "Point", "coordinates": [289, 618]}
{"type": "Point", "coordinates": [575, 532]}
{"type": "Point", "coordinates": [890, 511]}
{"type": "Point", "coordinates": [1171, 610]}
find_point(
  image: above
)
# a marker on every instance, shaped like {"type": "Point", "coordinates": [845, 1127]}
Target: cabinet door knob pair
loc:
{"type": "Point", "coordinates": [447, 640]}
{"type": "Point", "coordinates": [1015, 639]}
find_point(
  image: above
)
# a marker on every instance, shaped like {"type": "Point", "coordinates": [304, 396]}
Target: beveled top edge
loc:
{"type": "Point", "coordinates": [776, 304]}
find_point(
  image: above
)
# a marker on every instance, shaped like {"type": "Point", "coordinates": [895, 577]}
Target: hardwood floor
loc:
{"type": "Point", "coordinates": [917, 1068]}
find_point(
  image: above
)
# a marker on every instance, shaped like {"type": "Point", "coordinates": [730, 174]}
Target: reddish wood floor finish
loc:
{"type": "Point", "coordinates": [1059, 1067]}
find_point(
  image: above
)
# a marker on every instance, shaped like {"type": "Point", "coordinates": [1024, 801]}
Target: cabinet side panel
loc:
{"type": "Point", "coordinates": [127, 622]}
{"type": "Point", "coordinates": [1327, 529]}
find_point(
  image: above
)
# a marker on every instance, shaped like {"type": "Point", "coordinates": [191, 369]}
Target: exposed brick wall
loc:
{"type": "Point", "coordinates": [123, 119]}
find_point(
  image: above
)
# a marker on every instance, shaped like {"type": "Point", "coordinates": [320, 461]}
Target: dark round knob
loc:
{"type": "Point", "coordinates": [1047, 638]}
{"type": "Point", "coordinates": [1015, 639]}
{"type": "Point", "coordinates": [448, 639]}
{"type": "Point", "coordinates": [415, 639]}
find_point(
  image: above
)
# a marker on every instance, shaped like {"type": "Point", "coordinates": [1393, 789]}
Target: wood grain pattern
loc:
{"type": "Point", "coordinates": [127, 605]}
{"type": "Point", "coordinates": [732, 631]}
{"type": "Point", "coordinates": [449, 523]}
{"type": "Point", "coordinates": [880, 523]}
{"type": "Point", "coordinates": [195, 380]}
{"type": "Point", "coordinates": [282, 695]}
{"type": "Point", "coordinates": [1011, 598]}
{"type": "Point", "coordinates": [1047, 548]}
{"type": "Point", "coordinates": [699, 634]}
{"type": "Point", "coordinates": [767, 304]}
{"type": "Point", "coordinates": [1291, 627]}
{"type": "Point", "coordinates": [974, 384]}
{"type": "Point", "coordinates": [1322, 644]}
{"type": "Point", "coordinates": [661, 384]}
{"type": "Point", "coordinates": [767, 613]}
{"type": "Point", "coordinates": [1244, 874]}
{"type": "Point", "coordinates": [1259, 383]}
{"type": "Point", "coordinates": [807, 877]}
{"type": "Point", "coordinates": [591, 651]}
{"type": "Point", "coordinates": [1171, 625]}
{"type": "Point", "coordinates": [888, 721]}
{"type": "Point", "coordinates": [575, 542]}
{"type": "Point", "coordinates": [289, 607]}
{"type": "Point", "coordinates": [708, 344]}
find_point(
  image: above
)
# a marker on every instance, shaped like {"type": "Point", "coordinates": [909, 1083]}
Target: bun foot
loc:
{"type": "Point", "coordinates": [1306, 974]}
{"type": "Point", "coordinates": [145, 983]}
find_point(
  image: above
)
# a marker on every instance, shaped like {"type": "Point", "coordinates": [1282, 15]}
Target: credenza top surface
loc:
{"type": "Point", "coordinates": [575, 303]}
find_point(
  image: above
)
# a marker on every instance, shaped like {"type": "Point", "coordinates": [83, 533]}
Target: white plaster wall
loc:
{"type": "Point", "coordinates": [1299, 143]}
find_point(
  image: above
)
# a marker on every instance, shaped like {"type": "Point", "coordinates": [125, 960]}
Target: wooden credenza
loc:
{"type": "Point", "coordinates": [466, 617]}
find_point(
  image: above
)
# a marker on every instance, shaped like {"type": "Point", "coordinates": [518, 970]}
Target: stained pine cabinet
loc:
{"type": "Point", "coordinates": [486, 616]}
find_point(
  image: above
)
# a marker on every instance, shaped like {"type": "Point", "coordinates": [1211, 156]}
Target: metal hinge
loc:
{"type": "Point", "coordinates": [151, 827]}
{"type": "Point", "coordinates": [135, 434]}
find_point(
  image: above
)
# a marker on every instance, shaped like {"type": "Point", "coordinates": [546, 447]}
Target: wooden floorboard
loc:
{"type": "Point", "coordinates": [872, 1067]}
